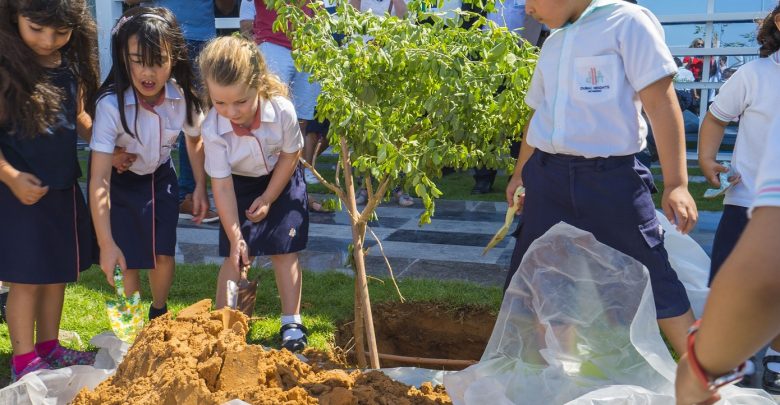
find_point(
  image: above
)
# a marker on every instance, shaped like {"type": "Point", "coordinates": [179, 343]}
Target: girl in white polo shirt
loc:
{"type": "Point", "coordinates": [605, 61]}
{"type": "Point", "coordinates": [253, 142]}
{"type": "Point", "coordinates": [146, 100]}
{"type": "Point", "coordinates": [750, 96]}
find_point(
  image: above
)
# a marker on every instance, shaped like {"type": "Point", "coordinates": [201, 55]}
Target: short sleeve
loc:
{"type": "Point", "coordinates": [292, 139]}
{"type": "Point", "coordinates": [217, 164]}
{"type": "Point", "coordinates": [247, 10]}
{"type": "Point", "coordinates": [194, 129]}
{"type": "Point", "coordinates": [768, 179]}
{"type": "Point", "coordinates": [106, 126]}
{"type": "Point", "coordinates": [646, 57]}
{"type": "Point", "coordinates": [535, 95]}
{"type": "Point", "coordinates": [732, 98]}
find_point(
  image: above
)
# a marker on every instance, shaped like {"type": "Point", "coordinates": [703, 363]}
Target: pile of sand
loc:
{"type": "Point", "coordinates": [201, 357]}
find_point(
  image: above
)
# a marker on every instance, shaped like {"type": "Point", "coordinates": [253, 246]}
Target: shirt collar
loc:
{"type": "Point", "coordinates": [265, 112]}
{"type": "Point", "coordinates": [592, 7]}
{"type": "Point", "coordinates": [775, 57]}
{"type": "Point", "coordinates": [171, 93]}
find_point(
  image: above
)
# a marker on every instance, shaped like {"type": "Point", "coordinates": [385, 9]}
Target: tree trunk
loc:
{"type": "Point", "coordinates": [362, 299]}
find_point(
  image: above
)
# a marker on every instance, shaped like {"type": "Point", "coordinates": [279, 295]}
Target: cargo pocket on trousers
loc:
{"type": "Point", "coordinates": [652, 232]}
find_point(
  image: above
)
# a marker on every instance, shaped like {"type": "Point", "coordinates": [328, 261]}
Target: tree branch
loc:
{"type": "Point", "coordinates": [387, 262]}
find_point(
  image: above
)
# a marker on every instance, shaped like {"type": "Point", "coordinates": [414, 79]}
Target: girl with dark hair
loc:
{"type": "Point", "coordinates": [48, 73]}
{"type": "Point", "coordinates": [745, 96]}
{"type": "Point", "coordinates": [146, 100]}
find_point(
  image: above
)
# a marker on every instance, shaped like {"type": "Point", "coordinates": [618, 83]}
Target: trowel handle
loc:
{"type": "Point", "coordinates": [118, 284]}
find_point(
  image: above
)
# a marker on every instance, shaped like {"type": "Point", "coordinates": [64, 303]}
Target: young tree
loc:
{"type": "Point", "coordinates": [406, 99]}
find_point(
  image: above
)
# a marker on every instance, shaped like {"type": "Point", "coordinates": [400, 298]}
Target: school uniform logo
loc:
{"type": "Point", "coordinates": [595, 77]}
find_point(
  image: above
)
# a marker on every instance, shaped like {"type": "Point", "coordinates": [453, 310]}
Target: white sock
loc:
{"type": "Point", "coordinates": [292, 333]}
{"type": "Point", "coordinates": [773, 366]}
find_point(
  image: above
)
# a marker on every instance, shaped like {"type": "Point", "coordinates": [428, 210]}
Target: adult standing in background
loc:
{"type": "Point", "coordinates": [196, 18]}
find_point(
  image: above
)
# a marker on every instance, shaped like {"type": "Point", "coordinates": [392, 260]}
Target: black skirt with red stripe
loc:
{"type": "Point", "coordinates": [144, 215]}
{"type": "Point", "coordinates": [286, 227]}
{"type": "Point", "coordinates": [48, 242]}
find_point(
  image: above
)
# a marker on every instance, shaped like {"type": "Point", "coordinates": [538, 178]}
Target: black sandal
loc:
{"type": "Point", "coordinates": [771, 380]}
{"type": "Point", "coordinates": [294, 345]}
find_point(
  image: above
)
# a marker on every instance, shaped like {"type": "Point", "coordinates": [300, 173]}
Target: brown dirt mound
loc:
{"type": "Point", "coordinates": [425, 329]}
{"type": "Point", "coordinates": [201, 357]}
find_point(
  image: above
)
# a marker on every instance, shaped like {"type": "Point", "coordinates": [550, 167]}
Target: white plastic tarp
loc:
{"type": "Point", "coordinates": [577, 326]}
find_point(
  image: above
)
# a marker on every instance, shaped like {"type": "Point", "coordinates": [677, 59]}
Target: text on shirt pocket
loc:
{"type": "Point", "coordinates": [595, 78]}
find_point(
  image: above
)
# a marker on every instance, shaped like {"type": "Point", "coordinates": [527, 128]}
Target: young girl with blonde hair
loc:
{"type": "Point", "coordinates": [253, 142]}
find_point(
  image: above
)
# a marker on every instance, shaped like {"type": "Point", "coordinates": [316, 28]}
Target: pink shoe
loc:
{"type": "Point", "coordinates": [36, 364]}
{"type": "Point", "coordinates": [61, 357]}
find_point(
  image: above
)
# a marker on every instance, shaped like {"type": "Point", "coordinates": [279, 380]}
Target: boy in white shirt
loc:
{"type": "Point", "coordinates": [604, 62]}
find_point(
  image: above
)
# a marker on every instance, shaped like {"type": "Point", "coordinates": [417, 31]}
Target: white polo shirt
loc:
{"type": "Point", "coordinates": [155, 132]}
{"type": "Point", "coordinates": [586, 83]}
{"type": "Point", "coordinates": [768, 179]}
{"type": "Point", "coordinates": [749, 96]}
{"type": "Point", "coordinates": [253, 155]}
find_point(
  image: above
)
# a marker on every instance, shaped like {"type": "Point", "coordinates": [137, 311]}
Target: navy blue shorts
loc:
{"type": "Point", "coordinates": [608, 197]}
{"type": "Point", "coordinates": [144, 215]}
{"type": "Point", "coordinates": [48, 242]}
{"type": "Point", "coordinates": [732, 224]}
{"type": "Point", "coordinates": [286, 227]}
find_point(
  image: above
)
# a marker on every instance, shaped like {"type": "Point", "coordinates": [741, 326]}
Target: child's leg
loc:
{"type": "Point", "coordinates": [161, 280]}
{"type": "Point", "coordinates": [676, 331]}
{"type": "Point", "coordinates": [49, 312]}
{"type": "Point", "coordinates": [288, 282]}
{"type": "Point", "coordinates": [21, 312]}
{"type": "Point", "coordinates": [132, 281]}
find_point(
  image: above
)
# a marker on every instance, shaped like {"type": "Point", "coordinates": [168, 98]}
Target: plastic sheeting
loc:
{"type": "Point", "coordinates": [59, 387]}
{"type": "Point", "coordinates": [690, 262]}
{"type": "Point", "coordinates": [577, 326]}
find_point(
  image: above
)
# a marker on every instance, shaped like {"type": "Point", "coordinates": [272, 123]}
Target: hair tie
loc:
{"type": "Point", "coordinates": [125, 19]}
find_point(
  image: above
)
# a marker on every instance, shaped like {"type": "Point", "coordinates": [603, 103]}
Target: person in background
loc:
{"type": "Point", "coordinates": [196, 18]}
{"type": "Point", "coordinates": [748, 97]}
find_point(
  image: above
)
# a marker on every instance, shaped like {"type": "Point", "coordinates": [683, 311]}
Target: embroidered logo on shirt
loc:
{"type": "Point", "coordinates": [595, 80]}
{"type": "Point", "coordinates": [293, 232]}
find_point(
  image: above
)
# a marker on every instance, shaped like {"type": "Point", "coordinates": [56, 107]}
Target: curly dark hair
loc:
{"type": "Point", "coordinates": [157, 31]}
{"type": "Point", "coordinates": [769, 35]}
{"type": "Point", "coordinates": [29, 103]}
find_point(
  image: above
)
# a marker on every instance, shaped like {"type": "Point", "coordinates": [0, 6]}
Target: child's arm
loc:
{"type": "Point", "coordinates": [710, 137]}
{"type": "Point", "coordinates": [83, 120]}
{"type": "Point", "coordinates": [747, 283]}
{"type": "Point", "coordinates": [516, 180]}
{"type": "Point", "coordinates": [225, 200]}
{"type": "Point", "coordinates": [99, 203]}
{"type": "Point", "coordinates": [200, 202]}
{"type": "Point", "coordinates": [25, 186]}
{"type": "Point", "coordinates": [283, 171]}
{"type": "Point", "coordinates": [660, 103]}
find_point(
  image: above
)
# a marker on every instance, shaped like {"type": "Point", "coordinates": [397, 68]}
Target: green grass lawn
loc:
{"type": "Point", "coordinates": [327, 299]}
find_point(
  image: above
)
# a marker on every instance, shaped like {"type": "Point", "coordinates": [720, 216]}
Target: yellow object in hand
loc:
{"type": "Point", "coordinates": [510, 215]}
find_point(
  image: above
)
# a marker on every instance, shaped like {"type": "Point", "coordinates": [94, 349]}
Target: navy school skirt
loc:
{"type": "Point", "coordinates": [286, 227]}
{"type": "Point", "coordinates": [144, 215]}
{"type": "Point", "coordinates": [48, 242]}
{"type": "Point", "coordinates": [732, 223]}
{"type": "Point", "coordinates": [608, 197]}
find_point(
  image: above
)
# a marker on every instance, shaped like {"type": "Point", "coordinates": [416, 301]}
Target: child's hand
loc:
{"type": "Point", "coordinates": [711, 169]}
{"type": "Point", "coordinates": [258, 210]}
{"type": "Point", "coordinates": [110, 257]}
{"type": "Point", "coordinates": [122, 160]}
{"type": "Point", "coordinates": [679, 208]}
{"type": "Point", "coordinates": [28, 188]}
{"type": "Point", "coordinates": [688, 389]}
{"type": "Point", "coordinates": [514, 183]}
{"type": "Point", "coordinates": [200, 204]}
{"type": "Point", "coordinates": [239, 254]}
